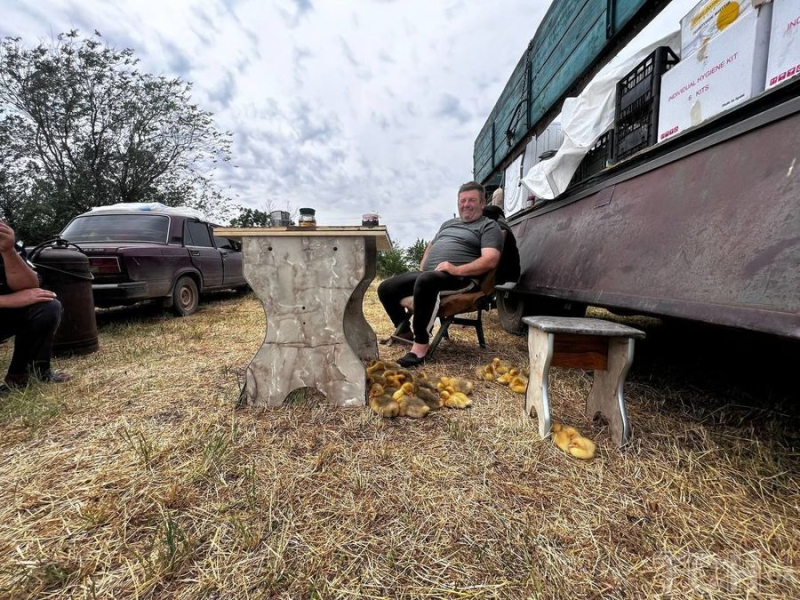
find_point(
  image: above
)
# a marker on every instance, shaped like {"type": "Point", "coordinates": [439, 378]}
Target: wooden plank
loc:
{"type": "Point", "coordinates": [580, 351]}
{"type": "Point", "coordinates": [563, 80]}
{"type": "Point", "coordinates": [379, 233]}
{"type": "Point", "coordinates": [624, 11]}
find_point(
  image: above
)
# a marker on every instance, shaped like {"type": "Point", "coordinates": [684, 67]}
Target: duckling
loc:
{"type": "Point", "coordinates": [581, 447]}
{"type": "Point", "coordinates": [513, 372]}
{"type": "Point", "coordinates": [411, 406]}
{"type": "Point", "coordinates": [391, 365]}
{"type": "Point", "coordinates": [376, 378]}
{"type": "Point", "coordinates": [562, 440]}
{"type": "Point", "coordinates": [430, 398]}
{"type": "Point", "coordinates": [422, 376]}
{"type": "Point", "coordinates": [460, 385]}
{"type": "Point", "coordinates": [570, 431]}
{"type": "Point", "coordinates": [518, 385]}
{"type": "Point", "coordinates": [501, 366]}
{"type": "Point", "coordinates": [382, 403]}
{"type": "Point", "coordinates": [480, 370]}
{"type": "Point", "coordinates": [444, 395]}
{"type": "Point", "coordinates": [407, 389]}
{"type": "Point", "coordinates": [556, 427]}
{"type": "Point", "coordinates": [458, 400]}
{"type": "Point", "coordinates": [505, 378]}
{"type": "Point", "coordinates": [375, 365]}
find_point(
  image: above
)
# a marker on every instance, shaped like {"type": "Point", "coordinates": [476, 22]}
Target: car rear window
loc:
{"type": "Point", "coordinates": [118, 228]}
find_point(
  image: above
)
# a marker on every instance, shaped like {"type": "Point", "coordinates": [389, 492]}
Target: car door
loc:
{"type": "Point", "coordinates": [204, 256]}
{"type": "Point", "coordinates": [231, 251]}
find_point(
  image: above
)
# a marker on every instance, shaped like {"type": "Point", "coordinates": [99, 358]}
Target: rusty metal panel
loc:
{"type": "Point", "coordinates": [713, 236]}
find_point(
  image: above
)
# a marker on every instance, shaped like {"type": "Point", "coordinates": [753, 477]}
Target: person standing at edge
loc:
{"type": "Point", "coordinates": [462, 252]}
{"type": "Point", "coordinates": [28, 313]}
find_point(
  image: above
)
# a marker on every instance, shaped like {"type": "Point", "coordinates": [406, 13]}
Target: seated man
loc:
{"type": "Point", "coordinates": [28, 313]}
{"type": "Point", "coordinates": [463, 250]}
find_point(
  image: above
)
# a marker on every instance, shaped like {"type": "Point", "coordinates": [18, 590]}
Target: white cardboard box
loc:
{"type": "Point", "coordinates": [707, 19]}
{"type": "Point", "coordinates": [730, 70]}
{"type": "Point", "coordinates": [784, 45]}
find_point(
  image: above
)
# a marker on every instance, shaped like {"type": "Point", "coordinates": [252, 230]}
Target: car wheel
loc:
{"type": "Point", "coordinates": [185, 297]}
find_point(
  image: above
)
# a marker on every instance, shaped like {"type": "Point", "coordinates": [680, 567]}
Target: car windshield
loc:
{"type": "Point", "coordinates": [118, 228]}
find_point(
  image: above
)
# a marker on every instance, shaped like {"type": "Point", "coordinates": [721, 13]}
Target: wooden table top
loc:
{"type": "Point", "coordinates": [379, 232]}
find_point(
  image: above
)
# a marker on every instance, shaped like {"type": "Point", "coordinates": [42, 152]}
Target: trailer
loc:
{"type": "Point", "coordinates": [702, 226]}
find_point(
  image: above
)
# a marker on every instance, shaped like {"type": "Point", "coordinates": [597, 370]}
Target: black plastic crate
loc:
{"type": "Point", "coordinates": [638, 95]}
{"type": "Point", "coordinates": [597, 159]}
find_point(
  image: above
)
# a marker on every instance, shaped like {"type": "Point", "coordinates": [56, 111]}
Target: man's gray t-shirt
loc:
{"type": "Point", "coordinates": [461, 243]}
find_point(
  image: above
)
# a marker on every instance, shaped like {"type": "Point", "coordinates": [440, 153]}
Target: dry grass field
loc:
{"type": "Point", "coordinates": [142, 479]}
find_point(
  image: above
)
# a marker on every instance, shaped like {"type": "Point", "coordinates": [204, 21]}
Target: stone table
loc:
{"type": "Point", "coordinates": [311, 282]}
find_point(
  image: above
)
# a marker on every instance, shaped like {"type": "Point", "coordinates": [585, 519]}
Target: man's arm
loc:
{"type": "Point", "coordinates": [19, 275]}
{"type": "Point", "coordinates": [21, 279]}
{"type": "Point", "coordinates": [425, 257]}
{"type": "Point", "coordinates": [490, 258]}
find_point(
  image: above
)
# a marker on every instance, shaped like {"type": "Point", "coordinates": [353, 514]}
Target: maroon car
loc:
{"type": "Point", "coordinates": [140, 255]}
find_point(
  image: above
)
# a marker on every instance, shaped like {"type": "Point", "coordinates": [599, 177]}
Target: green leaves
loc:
{"type": "Point", "coordinates": [82, 126]}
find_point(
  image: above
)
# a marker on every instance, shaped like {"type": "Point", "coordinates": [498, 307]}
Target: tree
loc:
{"type": "Point", "coordinates": [413, 254]}
{"type": "Point", "coordinates": [391, 263]}
{"type": "Point", "coordinates": [82, 126]}
{"type": "Point", "coordinates": [251, 217]}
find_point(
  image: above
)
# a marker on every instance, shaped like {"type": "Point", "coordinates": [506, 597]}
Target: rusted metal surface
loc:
{"type": "Point", "coordinates": [711, 236]}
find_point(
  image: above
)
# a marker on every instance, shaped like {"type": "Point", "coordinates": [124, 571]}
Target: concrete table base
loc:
{"type": "Point", "coordinates": [312, 290]}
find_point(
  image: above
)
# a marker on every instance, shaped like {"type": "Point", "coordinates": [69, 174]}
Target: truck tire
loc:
{"type": "Point", "coordinates": [510, 310]}
{"type": "Point", "coordinates": [185, 297]}
{"type": "Point", "coordinates": [512, 307]}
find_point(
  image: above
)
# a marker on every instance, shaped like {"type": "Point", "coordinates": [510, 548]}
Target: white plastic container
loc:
{"type": "Point", "coordinates": [729, 70]}
{"type": "Point", "coordinates": [784, 45]}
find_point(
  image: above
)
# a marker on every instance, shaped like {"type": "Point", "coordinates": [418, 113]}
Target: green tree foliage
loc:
{"type": "Point", "coordinates": [251, 217]}
{"type": "Point", "coordinates": [82, 126]}
{"type": "Point", "coordinates": [413, 254]}
{"type": "Point", "coordinates": [391, 262]}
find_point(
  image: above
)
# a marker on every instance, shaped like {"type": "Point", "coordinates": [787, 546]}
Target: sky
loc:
{"type": "Point", "coordinates": [345, 106]}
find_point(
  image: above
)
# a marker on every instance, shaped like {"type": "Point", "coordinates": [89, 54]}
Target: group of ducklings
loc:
{"type": "Point", "coordinates": [572, 442]}
{"type": "Point", "coordinates": [504, 373]}
{"type": "Point", "coordinates": [398, 392]}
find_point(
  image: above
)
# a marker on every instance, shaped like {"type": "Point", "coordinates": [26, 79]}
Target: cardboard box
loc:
{"type": "Point", "coordinates": [729, 70]}
{"type": "Point", "coordinates": [707, 19]}
{"type": "Point", "coordinates": [784, 45]}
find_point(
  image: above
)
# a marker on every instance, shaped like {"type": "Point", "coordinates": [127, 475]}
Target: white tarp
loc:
{"type": "Point", "coordinates": [515, 195]}
{"type": "Point", "coordinates": [583, 120]}
{"type": "Point", "coordinates": [151, 207]}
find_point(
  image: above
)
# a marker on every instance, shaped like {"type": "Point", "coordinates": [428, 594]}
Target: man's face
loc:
{"type": "Point", "coordinates": [470, 206]}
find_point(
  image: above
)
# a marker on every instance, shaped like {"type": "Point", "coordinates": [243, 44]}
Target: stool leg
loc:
{"type": "Point", "coordinates": [540, 348]}
{"type": "Point", "coordinates": [606, 396]}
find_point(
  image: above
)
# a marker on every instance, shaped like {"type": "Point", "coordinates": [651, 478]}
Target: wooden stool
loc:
{"type": "Point", "coordinates": [603, 346]}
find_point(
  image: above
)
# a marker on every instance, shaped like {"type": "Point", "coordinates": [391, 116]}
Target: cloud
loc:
{"type": "Point", "coordinates": [451, 107]}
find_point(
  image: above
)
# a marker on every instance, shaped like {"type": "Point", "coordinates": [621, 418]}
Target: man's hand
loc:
{"type": "Point", "coordinates": [448, 267]}
{"type": "Point", "coordinates": [25, 298]}
{"type": "Point", "coordinates": [6, 238]}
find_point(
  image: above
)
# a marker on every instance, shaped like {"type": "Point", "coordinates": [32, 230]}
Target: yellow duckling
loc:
{"type": "Point", "coordinates": [376, 365]}
{"type": "Point", "coordinates": [411, 406]}
{"type": "Point", "coordinates": [562, 440]}
{"type": "Point", "coordinates": [505, 378]}
{"type": "Point", "coordinates": [430, 398]}
{"type": "Point", "coordinates": [382, 403]}
{"type": "Point", "coordinates": [458, 400]}
{"type": "Point", "coordinates": [407, 389]}
{"type": "Point", "coordinates": [444, 395]}
{"type": "Point", "coordinates": [376, 378]}
{"type": "Point", "coordinates": [501, 367]}
{"type": "Point", "coordinates": [582, 448]}
{"type": "Point", "coordinates": [518, 385]}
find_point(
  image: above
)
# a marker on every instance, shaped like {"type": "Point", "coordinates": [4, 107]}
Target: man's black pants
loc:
{"type": "Point", "coordinates": [33, 328]}
{"type": "Point", "coordinates": [425, 287]}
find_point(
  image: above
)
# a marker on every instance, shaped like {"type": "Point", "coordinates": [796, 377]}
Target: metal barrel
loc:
{"type": "Point", "coordinates": [65, 271]}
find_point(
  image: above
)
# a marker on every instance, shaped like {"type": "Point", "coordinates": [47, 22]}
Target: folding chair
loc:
{"type": "Point", "coordinates": [454, 304]}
